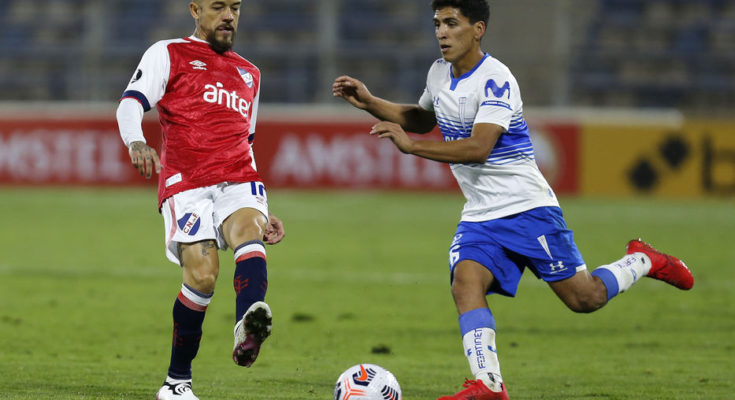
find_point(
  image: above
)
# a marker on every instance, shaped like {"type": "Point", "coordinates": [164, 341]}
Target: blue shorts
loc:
{"type": "Point", "coordinates": [538, 239]}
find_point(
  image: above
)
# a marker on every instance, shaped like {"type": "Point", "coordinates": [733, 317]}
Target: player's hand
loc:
{"type": "Point", "coordinates": [144, 159]}
{"type": "Point", "coordinates": [274, 232]}
{"type": "Point", "coordinates": [394, 132]}
{"type": "Point", "coordinates": [352, 90]}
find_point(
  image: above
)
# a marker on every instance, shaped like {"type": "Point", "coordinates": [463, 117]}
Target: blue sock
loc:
{"type": "Point", "coordinates": [188, 313]}
{"type": "Point", "coordinates": [475, 319]}
{"type": "Point", "coordinates": [609, 280]}
{"type": "Point", "coordinates": [251, 276]}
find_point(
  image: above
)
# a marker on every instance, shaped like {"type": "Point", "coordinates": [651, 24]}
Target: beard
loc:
{"type": "Point", "coordinates": [220, 45]}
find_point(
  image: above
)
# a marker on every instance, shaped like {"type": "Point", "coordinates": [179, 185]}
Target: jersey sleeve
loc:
{"type": "Point", "coordinates": [426, 101]}
{"type": "Point", "coordinates": [254, 112]}
{"type": "Point", "coordinates": [499, 99]}
{"type": "Point", "coordinates": [129, 118]}
{"type": "Point", "coordinates": [149, 81]}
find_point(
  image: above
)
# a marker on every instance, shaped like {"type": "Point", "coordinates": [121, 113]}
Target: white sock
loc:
{"type": "Point", "coordinates": [479, 347]}
{"type": "Point", "coordinates": [173, 381]}
{"type": "Point", "coordinates": [628, 270]}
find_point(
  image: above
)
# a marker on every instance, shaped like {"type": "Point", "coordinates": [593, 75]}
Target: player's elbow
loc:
{"type": "Point", "coordinates": [418, 129]}
{"type": "Point", "coordinates": [419, 121]}
{"type": "Point", "coordinates": [477, 156]}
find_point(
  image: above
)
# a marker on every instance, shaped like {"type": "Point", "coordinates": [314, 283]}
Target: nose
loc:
{"type": "Point", "coordinates": [440, 31]}
{"type": "Point", "coordinates": [229, 16]}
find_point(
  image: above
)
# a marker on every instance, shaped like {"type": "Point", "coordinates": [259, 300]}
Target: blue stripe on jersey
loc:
{"type": "Point", "coordinates": [452, 129]}
{"type": "Point", "coordinates": [514, 145]}
{"type": "Point", "coordinates": [137, 96]}
{"type": "Point", "coordinates": [506, 155]}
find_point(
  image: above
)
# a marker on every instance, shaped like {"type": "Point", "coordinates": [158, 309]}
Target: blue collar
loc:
{"type": "Point", "coordinates": [455, 81]}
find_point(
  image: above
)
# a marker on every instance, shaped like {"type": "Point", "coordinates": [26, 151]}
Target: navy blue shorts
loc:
{"type": "Point", "coordinates": [538, 239]}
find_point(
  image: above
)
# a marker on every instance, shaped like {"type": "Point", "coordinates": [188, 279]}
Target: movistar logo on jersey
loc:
{"type": "Point", "coordinates": [217, 94]}
{"type": "Point", "coordinates": [497, 91]}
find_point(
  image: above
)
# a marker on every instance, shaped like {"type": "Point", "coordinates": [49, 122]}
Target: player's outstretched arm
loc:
{"type": "Point", "coordinates": [144, 158]}
{"type": "Point", "coordinates": [474, 149]}
{"type": "Point", "coordinates": [410, 116]}
{"type": "Point", "coordinates": [274, 232]}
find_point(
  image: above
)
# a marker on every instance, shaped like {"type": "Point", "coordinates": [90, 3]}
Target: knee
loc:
{"type": "Point", "coordinates": [202, 276]}
{"type": "Point", "coordinates": [204, 280]}
{"type": "Point", "coordinates": [470, 284]}
{"type": "Point", "coordinates": [246, 231]}
{"type": "Point", "coordinates": [244, 227]}
{"type": "Point", "coordinates": [462, 283]}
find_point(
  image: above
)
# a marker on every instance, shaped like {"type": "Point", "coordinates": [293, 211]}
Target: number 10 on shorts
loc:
{"type": "Point", "coordinates": [257, 188]}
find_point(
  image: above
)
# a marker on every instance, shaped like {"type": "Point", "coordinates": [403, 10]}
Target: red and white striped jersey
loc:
{"type": "Point", "coordinates": [207, 105]}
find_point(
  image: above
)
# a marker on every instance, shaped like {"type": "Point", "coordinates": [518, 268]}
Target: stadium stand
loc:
{"type": "Point", "coordinates": [630, 53]}
{"type": "Point", "coordinates": [658, 53]}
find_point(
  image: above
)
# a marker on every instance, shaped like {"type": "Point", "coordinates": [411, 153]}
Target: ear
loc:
{"type": "Point", "coordinates": [479, 28]}
{"type": "Point", "coordinates": [194, 10]}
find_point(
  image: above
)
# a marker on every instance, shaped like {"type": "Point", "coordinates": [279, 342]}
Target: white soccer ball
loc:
{"type": "Point", "coordinates": [367, 382]}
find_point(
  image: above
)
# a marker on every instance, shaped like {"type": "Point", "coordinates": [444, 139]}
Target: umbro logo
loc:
{"type": "Point", "coordinates": [199, 65]}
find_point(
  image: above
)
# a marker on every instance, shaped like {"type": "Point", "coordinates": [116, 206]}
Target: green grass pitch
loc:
{"type": "Point", "coordinates": [86, 296]}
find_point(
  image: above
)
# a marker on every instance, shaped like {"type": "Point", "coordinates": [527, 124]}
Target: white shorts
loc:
{"type": "Point", "coordinates": [197, 214]}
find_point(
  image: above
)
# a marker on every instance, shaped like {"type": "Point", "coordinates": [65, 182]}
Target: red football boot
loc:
{"type": "Point", "coordinates": [476, 390]}
{"type": "Point", "coordinates": [663, 266]}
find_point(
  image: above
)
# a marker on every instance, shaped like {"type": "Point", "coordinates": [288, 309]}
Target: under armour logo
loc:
{"type": "Point", "coordinates": [557, 267]}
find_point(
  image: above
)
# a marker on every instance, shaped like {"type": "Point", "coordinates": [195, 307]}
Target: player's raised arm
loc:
{"type": "Point", "coordinates": [411, 117]}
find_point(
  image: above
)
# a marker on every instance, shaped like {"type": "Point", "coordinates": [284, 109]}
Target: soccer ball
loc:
{"type": "Point", "coordinates": [367, 382]}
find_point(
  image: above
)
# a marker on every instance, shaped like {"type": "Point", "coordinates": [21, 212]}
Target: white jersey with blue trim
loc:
{"type": "Point", "coordinates": [509, 181]}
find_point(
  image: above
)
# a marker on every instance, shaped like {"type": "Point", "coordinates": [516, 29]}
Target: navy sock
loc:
{"type": "Point", "coordinates": [251, 276]}
{"type": "Point", "coordinates": [188, 313]}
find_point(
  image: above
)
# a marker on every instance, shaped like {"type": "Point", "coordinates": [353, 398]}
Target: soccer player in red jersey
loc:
{"type": "Point", "coordinates": [209, 191]}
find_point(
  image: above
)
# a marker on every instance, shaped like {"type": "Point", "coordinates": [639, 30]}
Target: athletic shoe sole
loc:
{"type": "Point", "coordinates": [257, 323]}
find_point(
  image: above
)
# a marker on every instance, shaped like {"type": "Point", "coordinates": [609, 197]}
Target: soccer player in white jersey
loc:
{"type": "Point", "coordinates": [209, 191]}
{"type": "Point", "coordinates": [511, 219]}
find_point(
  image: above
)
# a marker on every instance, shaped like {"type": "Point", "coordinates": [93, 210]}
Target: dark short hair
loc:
{"type": "Point", "coordinates": [474, 10]}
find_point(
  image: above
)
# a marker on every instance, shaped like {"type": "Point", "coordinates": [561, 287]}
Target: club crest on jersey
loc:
{"type": "Point", "coordinates": [189, 223]}
{"type": "Point", "coordinates": [246, 76]}
{"type": "Point", "coordinates": [196, 64]}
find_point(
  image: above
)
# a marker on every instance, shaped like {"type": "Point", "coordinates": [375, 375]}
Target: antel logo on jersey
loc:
{"type": "Point", "coordinates": [217, 94]}
{"type": "Point", "coordinates": [199, 65]}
